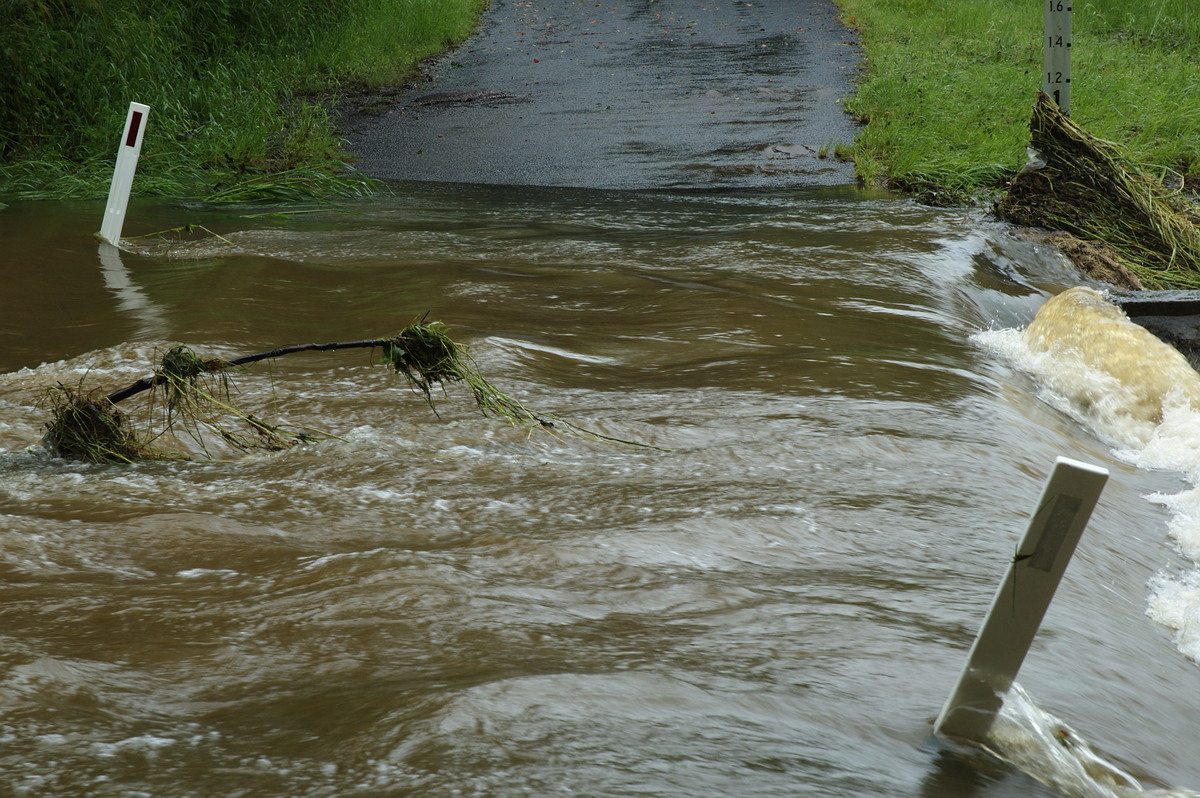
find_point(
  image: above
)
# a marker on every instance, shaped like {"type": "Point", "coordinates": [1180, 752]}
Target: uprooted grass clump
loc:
{"type": "Point", "coordinates": [1089, 188]}
{"type": "Point", "coordinates": [193, 396]}
{"type": "Point", "coordinates": [84, 425]}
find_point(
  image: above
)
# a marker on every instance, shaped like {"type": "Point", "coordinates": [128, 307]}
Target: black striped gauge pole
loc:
{"type": "Point", "coordinates": [1056, 52]}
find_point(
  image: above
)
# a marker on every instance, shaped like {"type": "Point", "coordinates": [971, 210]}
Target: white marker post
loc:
{"type": "Point", "coordinates": [122, 182]}
{"type": "Point", "coordinates": [1056, 52]}
{"type": "Point", "coordinates": [1022, 599]}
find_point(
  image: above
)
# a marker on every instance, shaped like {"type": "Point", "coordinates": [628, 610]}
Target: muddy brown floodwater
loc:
{"type": "Point", "coordinates": [775, 604]}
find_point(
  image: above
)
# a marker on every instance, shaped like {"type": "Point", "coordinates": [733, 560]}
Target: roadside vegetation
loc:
{"type": "Point", "coordinates": [948, 88]}
{"type": "Point", "coordinates": [240, 92]}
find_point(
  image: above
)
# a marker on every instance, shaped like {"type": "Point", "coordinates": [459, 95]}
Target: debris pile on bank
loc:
{"type": "Point", "coordinates": [1075, 183]}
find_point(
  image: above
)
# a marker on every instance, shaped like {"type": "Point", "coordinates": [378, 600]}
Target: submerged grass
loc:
{"type": "Point", "coordinates": [238, 91]}
{"type": "Point", "coordinates": [948, 87]}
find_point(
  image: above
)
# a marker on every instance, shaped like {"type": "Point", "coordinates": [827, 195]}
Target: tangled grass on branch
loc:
{"type": "Point", "coordinates": [1089, 188]}
{"type": "Point", "coordinates": [85, 426]}
{"type": "Point", "coordinates": [426, 356]}
{"type": "Point", "coordinates": [180, 370]}
{"type": "Point", "coordinates": [193, 395]}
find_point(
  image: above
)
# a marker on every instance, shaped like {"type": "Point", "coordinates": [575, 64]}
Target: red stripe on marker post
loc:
{"type": "Point", "coordinates": [135, 124]}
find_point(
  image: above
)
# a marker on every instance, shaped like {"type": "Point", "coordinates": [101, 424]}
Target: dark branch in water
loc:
{"type": "Point", "coordinates": [212, 366]}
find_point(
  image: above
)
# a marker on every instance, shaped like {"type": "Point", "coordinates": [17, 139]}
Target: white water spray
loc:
{"type": "Point", "coordinates": [1143, 397]}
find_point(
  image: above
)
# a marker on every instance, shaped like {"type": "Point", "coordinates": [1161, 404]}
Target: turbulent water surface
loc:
{"type": "Point", "coordinates": [775, 601]}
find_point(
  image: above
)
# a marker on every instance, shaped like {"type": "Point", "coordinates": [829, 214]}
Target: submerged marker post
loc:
{"type": "Point", "coordinates": [127, 156]}
{"type": "Point", "coordinates": [1022, 599]}
{"type": "Point", "coordinates": [1056, 52]}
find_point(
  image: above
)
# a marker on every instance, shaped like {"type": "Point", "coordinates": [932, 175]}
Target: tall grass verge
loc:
{"type": "Point", "coordinates": [239, 91]}
{"type": "Point", "coordinates": [948, 87]}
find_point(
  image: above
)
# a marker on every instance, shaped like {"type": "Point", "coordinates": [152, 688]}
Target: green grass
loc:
{"type": "Point", "coordinates": [948, 87]}
{"type": "Point", "coordinates": [239, 91]}
{"type": "Point", "coordinates": [383, 40]}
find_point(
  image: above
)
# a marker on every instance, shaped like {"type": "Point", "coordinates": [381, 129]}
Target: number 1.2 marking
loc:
{"type": "Point", "coordinates": [1056, 52]}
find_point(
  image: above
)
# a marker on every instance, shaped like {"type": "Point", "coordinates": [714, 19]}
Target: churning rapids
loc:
{"type": "Point", "coordinates": [855, 432]}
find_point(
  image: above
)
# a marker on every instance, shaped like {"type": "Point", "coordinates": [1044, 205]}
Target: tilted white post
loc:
{"type": "Point", "coordinates": [1056, 52]}
{"type": "Point", "coordinates": [1022, 599]}
{"type": "Point", "coordinates": [127, 158]}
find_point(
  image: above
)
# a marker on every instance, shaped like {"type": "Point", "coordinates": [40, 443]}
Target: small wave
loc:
{"type": "Point", "coordinates": [1050, 751]}
{"type": "Point", "coordinates": [1146, 427]}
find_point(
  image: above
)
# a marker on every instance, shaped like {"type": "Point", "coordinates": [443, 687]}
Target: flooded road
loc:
{"type": "Point", "coordinates": [775, 603]}
{"type": "Point", "coordinates": [626, 95]}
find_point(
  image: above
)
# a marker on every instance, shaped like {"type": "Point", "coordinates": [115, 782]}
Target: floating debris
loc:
{"type": "Point", "coordinates": [85, 426]}
{"type": "Point", "coordinates": [193, 395]}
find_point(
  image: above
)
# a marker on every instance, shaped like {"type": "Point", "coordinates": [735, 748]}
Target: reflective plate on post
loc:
{"type": "Point", "coordinates": [1022, 599]}
{"type": "Point", "coordinates": [127, 157]}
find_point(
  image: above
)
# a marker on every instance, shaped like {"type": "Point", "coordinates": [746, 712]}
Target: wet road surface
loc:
{"type": "Point", "coordinates": [626, 94]}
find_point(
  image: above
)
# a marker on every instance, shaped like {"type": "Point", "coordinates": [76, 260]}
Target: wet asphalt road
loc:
{"type": "Point", "coordinates": [624, 94]}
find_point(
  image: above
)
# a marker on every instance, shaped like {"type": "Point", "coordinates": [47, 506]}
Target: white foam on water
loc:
{"type": "Point", "coordinates": [204, 573]}
{"type": "Point", "coordinates": [1101, 403]}
{"type": "Point", "coordinates": [1115, 410]}
{"type": "Point", "coordinates": [1095, 399]}
{"type": "Point", "coordinates": [1052, 752]}
{"type": "Point", "coordinates": [512, 344]}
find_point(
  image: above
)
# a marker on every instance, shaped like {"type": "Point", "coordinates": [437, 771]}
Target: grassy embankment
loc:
{"type": "Point", "coordinates": [949, 87]}
{"type": "Point", "coordinates": [234, 87]}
